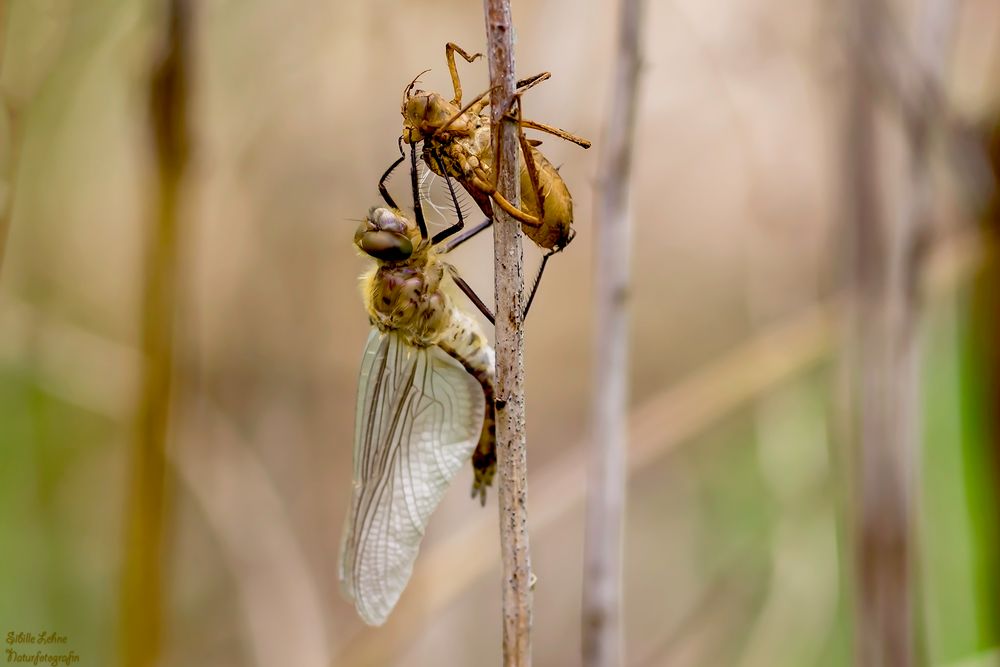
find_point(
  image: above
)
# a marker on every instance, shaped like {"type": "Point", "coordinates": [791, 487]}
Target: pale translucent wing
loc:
{"type": "Point", "coordinates": [418, 419]}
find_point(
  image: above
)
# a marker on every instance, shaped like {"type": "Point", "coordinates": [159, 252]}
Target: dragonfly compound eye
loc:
{"type": "Point", "coordinates": [383, 235]}
{"type": "Point", "coordinates": [383, 245]}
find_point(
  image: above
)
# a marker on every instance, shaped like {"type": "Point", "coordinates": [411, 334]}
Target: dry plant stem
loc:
{"type": "Point", "coordinates": [602, 604]}
{"type": "Point", "coordinates": [7, 212]}
{"type": "Point", "coordinates": [13, 140]}
{"type": "Point", "coordinates": [984, 326]}
{"type": "Point", "coordinates": [883, 458]}
{"type": "Point", "coordinates": [887, 258]}
{"type": "Point", "coordinates": [508, 259]}
{"type": "Point", "coordinates": [150, 484]}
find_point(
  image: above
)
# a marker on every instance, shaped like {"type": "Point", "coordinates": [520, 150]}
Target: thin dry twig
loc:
{"type": "Point", "coordinates": [509, 277]}
{"type": "Point", "coordinates": [150, 476]}
{"type": "Point", "coordinates": [602, 624]}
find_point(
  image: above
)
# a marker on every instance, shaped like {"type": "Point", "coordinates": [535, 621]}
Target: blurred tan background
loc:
{"type": "Point", "coordinates": [735, 541]}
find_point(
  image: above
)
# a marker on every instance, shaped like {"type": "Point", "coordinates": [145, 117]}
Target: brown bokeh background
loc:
{"type": "Point", "coordinates": [736, 546]}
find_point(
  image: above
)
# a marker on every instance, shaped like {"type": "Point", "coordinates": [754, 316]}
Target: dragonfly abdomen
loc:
{"type": "Point", "coordinates": [464, 342]}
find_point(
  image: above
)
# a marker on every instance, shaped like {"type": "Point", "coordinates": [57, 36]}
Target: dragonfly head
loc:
{"type": "Point", "coordinates": [386, 235]}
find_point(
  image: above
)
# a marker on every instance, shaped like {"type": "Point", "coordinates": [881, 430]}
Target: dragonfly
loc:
{"type": "Point", "coordinates": [457, 142]}
{"type": "Point", "coordinates": [425, 400]}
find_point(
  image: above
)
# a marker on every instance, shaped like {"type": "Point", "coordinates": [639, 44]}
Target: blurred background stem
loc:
{"type": "Point", "coordinates": [141, 621]}
{"type": "Point", "coordinates": [601, 636]}
{"type": "Point", "coordinates": [887, 245]}
{"type": "Point", "coordinates": [983, 368]}
{"type": "Point", "coordinates": [881, 335]}
{"type": "Point", "coordinates": [13, 138]}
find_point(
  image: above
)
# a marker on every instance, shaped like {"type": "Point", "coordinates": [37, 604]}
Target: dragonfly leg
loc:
{"type": "Point", "coordinates": [471, 293]}
{"type": "Point", "coordinates": [418, 210]}
{"type": "Point", "coordinates": [535, 283]}
{"type": "Point", "coordinates": [457, 227]}
{"type": "Point", "coordinates": [478, 302]}
{"type": "Point", "coordinates": [449, 53]}
{"type": "Point", "coordinates": [384, 191]}
{"type": "Point", "coordinates": [466, 235]}
{"type": "Point", "coordinates": [541, 270]}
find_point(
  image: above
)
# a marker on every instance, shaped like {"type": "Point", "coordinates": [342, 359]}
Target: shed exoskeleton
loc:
{"type": "Point", "coordinates": [457, 142]}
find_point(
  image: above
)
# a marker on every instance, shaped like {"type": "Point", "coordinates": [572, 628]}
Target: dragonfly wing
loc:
{"type": "Point", "coordinates": [418, 420]}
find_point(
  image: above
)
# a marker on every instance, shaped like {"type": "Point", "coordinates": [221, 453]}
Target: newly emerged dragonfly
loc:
{"type": "Point", "coordinates": [425, 402]}
{"type": "Point", "coordinates": [457, 142]}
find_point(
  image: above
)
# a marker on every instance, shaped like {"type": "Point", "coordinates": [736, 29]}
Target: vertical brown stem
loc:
{"type": "Point", "coordinates": [7, 212]}
{"type": "Point", "coordinates": [887, 254]}
{"type": "Point", "coordinates": [508, 260]}
{"type": "Point", "coordinates": [984, 343]}
{"type": "Point", "coordinates": [602, 618]}
{"type": "Point", "coordinates": [146, 520]}
{"type": "Point", "coordinates": [13, 140]}
{"type": "Point", "coordinates": [884, 453]}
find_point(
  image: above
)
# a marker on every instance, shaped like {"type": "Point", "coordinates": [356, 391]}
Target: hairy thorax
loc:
{"type": "Point", "coordinates": [408, 299]}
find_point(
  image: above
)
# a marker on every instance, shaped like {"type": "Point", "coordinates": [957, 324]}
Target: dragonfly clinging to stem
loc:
{"type": "Point", "coordinates": [425, 403]}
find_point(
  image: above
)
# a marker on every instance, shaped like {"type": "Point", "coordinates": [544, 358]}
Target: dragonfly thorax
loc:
{"type": "Point", "coordinates": [408, 299]}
